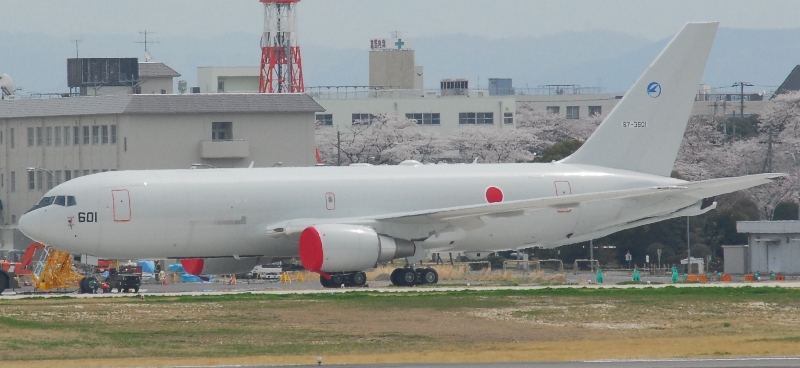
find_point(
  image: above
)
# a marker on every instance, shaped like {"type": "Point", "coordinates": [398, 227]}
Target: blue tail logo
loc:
{"type": "Point", "coordinates": [654, 89]}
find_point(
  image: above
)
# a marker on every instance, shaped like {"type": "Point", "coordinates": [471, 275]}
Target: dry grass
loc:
{"type": "Point", "coordinates": [374, 327]}
{"type": "Point", "coordinates": [461, 272]}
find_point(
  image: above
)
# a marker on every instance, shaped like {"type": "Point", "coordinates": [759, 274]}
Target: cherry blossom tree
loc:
{"type": "Point", "coordinates": [384, 139]}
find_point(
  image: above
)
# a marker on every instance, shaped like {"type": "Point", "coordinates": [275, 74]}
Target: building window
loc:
{"type": "Point", "coordinates": [76, 135]}
{"type": "Point", "coordinates": [39, 176]}
{"type": "Point", "coordinates": [554, 109]}
{"type": "Point", "coordinates": [76, 174]}
{"type": "Point", "coordinates": [433, 118]}
{"type": "Point", "coordinates": [13, 219]}
{"type": "Point", "coordinates": [31, 180]}
{"type": "Point", "coordinates": [573, 112]}
{"type": "Point", "coordinates": [508, 118]}
{"type": "Point", "coordinates": [49, 134]}
{"type": "Point", "coordinates": [30, 137]}
{"type": "Point", "coordinates": [13, 181]}
{"type": "Point", "coordinates": [66, 136]}
{"type": "Point", "coordinates": [220, 86]}
{"type": "Point", "coordinates": [595, 110]}
{"type": "Point", "coordinates": [95, 171]}
{"type": "Point", "coordinates": [324, 119]}
{"type": "Point", "coordinates": [105, 134]}
{"type": "Point", "coordinates": [221, 131]}
{"type": "Point", "coordinates": [113, 134]}
{"type": "Point", "coordinates": [476, 118]}
{"type": "Point", "coordinates": [58, 136]}
{"type": "Point", "coordinates": [39, 136]}
{"type": "Point", "coordinates": [49, 181]}
{"type": "Point", "coordinates": [86, 135]}
{"type": "Point", "coordinates": [58, 177]}
{"type": "Point", "coordinates": [12, 138]}
{"type": "Point", "coordinates": [85, 172]}
{"type": "Point", "coordinates": [95, 134]}
{"type": "Point", "coordinates": [361, 119]}
{"type": "Point", "coordinates": [67, 175]}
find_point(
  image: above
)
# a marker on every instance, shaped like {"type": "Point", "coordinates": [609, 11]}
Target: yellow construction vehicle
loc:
{"type": "Point", "coordinates": [56, 271]}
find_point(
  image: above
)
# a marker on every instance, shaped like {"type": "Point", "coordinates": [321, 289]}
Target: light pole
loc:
{"type": "Point", "coordinates": [34, 169]}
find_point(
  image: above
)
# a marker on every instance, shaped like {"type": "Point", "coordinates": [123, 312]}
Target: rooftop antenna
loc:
{"type": "Point", "coordinates": [147, 54]}
{"type": "Point", "coordinates": [76, 42]}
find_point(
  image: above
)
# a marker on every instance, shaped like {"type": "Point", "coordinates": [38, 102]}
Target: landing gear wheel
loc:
{"type": "Point", "coordinates": [337, 280]}
{"type": "Point", "coordinates": [324, 282]}
{"type": "Point", "coordinates": [83, 287]}
{"type": "Point", "coordinates": [430, 276]}
{"type": "Point", "coordinates": [359, 279]}
{"type": "Point", "coordinates": [395, 277]}
{"type": "Point", "coordinates": [408, 277]}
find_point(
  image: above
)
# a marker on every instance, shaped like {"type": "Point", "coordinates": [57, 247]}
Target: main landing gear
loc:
{"type": "Point", "coordinates": [411, 277]}
{"type": "Point", "coordinates": [355, 279]}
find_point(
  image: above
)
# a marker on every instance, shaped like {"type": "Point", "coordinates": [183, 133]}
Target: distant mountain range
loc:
{"type": "Point", "coordinates": [603, 59]}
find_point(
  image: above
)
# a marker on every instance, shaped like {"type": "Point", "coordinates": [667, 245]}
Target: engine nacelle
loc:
{"type": "Point", "coordinates": [344, 248]}
{"type": "Point", "coordinates": [222, 266]}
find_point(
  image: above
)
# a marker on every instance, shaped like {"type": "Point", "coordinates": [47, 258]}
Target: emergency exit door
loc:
{"type": "Point", "coordinates": [122, 205]}
{"type": "Point", "coordinates": [563, 188]}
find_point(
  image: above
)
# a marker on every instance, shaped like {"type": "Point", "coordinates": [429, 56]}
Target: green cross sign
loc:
{"type": "Point", "coordinates": [399, 43]}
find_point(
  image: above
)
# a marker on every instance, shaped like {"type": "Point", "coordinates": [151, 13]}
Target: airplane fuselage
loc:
{"type": "Point", "coordinates": [246, 212]}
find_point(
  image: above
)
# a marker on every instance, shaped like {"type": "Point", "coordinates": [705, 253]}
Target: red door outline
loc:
{"type": "Point", "coordinates": [120, 202]}
{"type": "Point", "coordinates": [562, 187]}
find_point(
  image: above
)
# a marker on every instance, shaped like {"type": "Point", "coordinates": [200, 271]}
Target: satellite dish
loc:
{"type": "Point", "coordinates": [6, 85]}
{"type": "Point", "coordinates": [148, 56]}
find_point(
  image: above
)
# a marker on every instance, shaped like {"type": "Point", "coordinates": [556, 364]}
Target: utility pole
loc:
{"type": "Point", "coordinates": [688, 249]}
{"type": "Point", "coordinates": [741, 86]}
{"type": "Point", "coordinates": [76, 42]}
{"type": "Point", "coordinates": [338, 148]}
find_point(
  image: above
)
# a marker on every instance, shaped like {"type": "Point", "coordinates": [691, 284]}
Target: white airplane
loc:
{"type": "Point", "coordinates": [343, 220]}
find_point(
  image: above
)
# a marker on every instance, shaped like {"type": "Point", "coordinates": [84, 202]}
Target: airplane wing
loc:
{"type": "Point", "coordinates": [699, 190]}
{"type": "Point", "coordinates": [419, 224]}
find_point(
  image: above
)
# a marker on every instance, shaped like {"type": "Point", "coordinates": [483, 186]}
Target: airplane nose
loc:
{"type": "Point", "coordinates": [30, 224]}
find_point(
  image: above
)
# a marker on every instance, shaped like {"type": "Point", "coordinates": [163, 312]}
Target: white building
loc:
{"type": "Point", "coordinates": [772, 246]}
{"type": "Point", "coordinates": [66, 138]}
{"type": "Point", "coordinates": [156, 78]}
{"type": "Point", "coordinates": [228, 79]}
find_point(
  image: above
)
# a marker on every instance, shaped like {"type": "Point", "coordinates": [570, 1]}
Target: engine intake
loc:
{"type": "Point", "coordinates": [344, 248]}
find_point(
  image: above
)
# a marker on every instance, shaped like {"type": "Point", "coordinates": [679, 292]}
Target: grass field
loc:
{"type": "Point", "coordinates": [367, 327]}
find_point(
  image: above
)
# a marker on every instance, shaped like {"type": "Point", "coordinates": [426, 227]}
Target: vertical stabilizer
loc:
{"type": "Point", "coordinates": [644, 131]}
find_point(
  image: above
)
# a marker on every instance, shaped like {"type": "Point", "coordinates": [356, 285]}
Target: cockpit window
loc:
{"type": "Point", "coordinates": [60, 201]}
{"type": "Point", "coordinates": [46, 201]}
{"type": "Point", "coordinates": [71, 201]}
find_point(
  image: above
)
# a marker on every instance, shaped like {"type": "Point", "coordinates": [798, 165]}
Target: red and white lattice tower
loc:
{"type": "Point", "coordinates": [281, 66]}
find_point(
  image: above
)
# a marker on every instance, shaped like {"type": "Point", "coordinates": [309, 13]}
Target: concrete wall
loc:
{"type": "Point", "coordinates": [154, 85]}
{"type": "Point", "coordinates": [236, 78]}
{"type": "Point", "coordinates": [447, 107]}
{"type": "Point", "coordinates": [394, 69]}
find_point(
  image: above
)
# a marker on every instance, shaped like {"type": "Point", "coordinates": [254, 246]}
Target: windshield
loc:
{"type": "Point", "coordinates": [61, 200]}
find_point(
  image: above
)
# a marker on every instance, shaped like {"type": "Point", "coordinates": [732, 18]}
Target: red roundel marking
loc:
{"type": "Point", "coordinates": [193, 266]}
{"type": "Point", "coordinates": [494, 195]}
{"type": "Point", "coordinates": [311, 249]}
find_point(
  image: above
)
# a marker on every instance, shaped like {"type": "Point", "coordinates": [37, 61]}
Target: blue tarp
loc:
{"type": "Point", "coordinates": [147, 266]}
{"type": "Point", "coordinates": [187, 277]}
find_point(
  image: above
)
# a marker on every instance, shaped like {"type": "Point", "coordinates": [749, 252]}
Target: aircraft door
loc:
{"type": "Point", "coordinates": [563, 188]}
{"type": "Point", "coordinates": [121, 205]}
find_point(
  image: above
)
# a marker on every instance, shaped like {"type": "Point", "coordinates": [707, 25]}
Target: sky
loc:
{"type": "Point", "coordinates": [351, 23]}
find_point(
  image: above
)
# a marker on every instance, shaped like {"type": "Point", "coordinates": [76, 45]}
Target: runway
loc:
{"type": "Point", "coordinates": [776, 362]}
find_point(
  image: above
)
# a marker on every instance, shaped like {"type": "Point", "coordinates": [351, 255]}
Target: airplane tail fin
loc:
{"type": "Point", "coordinates": [644, 131]}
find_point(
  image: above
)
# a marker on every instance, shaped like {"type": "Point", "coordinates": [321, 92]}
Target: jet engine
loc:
{"type": "Point", "coordinates": [343, 248]}
{"type": "Point", "coordinates": [222, 266]}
